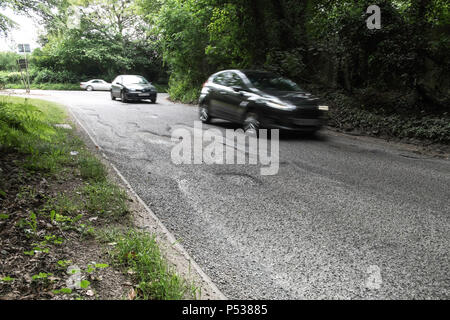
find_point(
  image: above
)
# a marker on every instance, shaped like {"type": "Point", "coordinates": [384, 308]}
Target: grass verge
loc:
{"type": "Point", "coordinates": [45, 86]}
{"type": "Point", "coordinates": [55, 201]}
{"type": "Point", "coordinates": [139, 255]}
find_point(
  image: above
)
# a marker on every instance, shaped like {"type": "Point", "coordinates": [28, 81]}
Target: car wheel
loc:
{"type": "Point", "coordinates": [89, 88]}
{"type": "Point", "coordinates": [251, 125]}
{"type": "Point", "coordinates": [204, 114]}
{"type": "Point", "coordinates": [123, 97]}
{"type": "Point", "coordinates": [112, 96]}
{"type": "Point", "coordinates": [153, 100]}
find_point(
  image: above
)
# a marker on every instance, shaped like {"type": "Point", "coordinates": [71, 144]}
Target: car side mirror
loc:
{"type": "Point", "coordinates": [238, 88]}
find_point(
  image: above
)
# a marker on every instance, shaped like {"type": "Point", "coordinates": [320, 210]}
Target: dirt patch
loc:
{"type": "Point", "coordinates": [36, 251]}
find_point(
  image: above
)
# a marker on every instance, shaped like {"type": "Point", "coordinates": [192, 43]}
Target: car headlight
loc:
{"type": "Point", "coordinates": [323, 108]}
{"type": "Point", "coordinates": [279, 106]}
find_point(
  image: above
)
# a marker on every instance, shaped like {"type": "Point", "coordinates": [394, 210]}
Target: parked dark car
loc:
{"type": "Point", "coordinates": [259, 99]}
{"type": "Point", "coordinates": [132, 87]}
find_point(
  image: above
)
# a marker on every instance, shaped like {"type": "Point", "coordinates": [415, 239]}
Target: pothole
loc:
{"type": "Point", "coordinates": [239, 179]}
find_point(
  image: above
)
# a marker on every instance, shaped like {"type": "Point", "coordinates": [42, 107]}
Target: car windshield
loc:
{"type": "Point", "coordinates": [269, 81]}
{"type": "Point", "coordinates": [134, 80]}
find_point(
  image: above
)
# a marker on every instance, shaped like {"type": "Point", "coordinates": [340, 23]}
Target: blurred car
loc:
{"type": "Point", "coordinates": [259, 99]}
{"type": "Point", "coordinates": [96, 84]}
{"type": "Point", "coordinates": [132, 87]}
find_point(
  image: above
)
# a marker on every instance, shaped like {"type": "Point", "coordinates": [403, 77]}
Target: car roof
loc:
{"type": "Point", "coordinates": [244, 71]}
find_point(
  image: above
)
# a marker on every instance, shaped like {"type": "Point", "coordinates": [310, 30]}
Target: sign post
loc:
{"type": "Point", "coordinates": [23, 65]}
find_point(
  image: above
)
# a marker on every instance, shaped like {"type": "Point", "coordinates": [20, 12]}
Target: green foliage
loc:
{"type": "Point", "coordinates": [91, 168]}
{"type": "Point", "coordinates": [4, 216]}
{"type": "Point", "coordinates": [84, 284]}
{"type": "Point", "coordinates": [41, 276]}
{"type": "Point", "coordinates": [10, 77]}
{"type": "Point", "coordinates": [348, 114]}
{"type": "Point", "coordinates": [139, 253]}
{"type": "Point", "coordinates": [8, 61]}
{"type": "Point", "coordinates": [63, 291]}
{"type": "Point", "coordinates": [7, 279]}
{"type": "Point", "coordinates": [46, 86]}
{"type": "Point", "coordinates": [105, 198]}
{"type": "Point", "coordinates": [24, 125]}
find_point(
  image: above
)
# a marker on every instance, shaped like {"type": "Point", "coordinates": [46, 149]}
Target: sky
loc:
{"type": "Point", "coordinates": [27, 32]}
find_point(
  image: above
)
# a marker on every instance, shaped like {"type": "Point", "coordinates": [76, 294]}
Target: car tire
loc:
{"type": "Point", "coordinates": [112, 96]}
{"type": "Point", "coordinates": [123, 97]}
{"type": "Point", "coordinates": [204, 115]}
{"type": "Point", "coordinates": [251, 125]}
{"type": "Point", "coordinates": [89, 88]}
{"type": "Point", "coordinates": [153, 100]}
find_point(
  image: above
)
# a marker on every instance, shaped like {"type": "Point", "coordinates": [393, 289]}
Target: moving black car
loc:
{"type": "Point", "coordinates": [259, 99]}
{"type": "Point", "coordinates": [132, 87]}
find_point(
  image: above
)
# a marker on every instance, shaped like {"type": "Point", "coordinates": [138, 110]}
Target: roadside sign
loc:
{"type": "Point", "coordinates": [23, 47]}
{"type": "Point", "coordinates": [23, 63]}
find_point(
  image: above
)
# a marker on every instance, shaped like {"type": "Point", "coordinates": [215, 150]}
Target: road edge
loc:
{"type": "Point", "coordinates": [214, 290]}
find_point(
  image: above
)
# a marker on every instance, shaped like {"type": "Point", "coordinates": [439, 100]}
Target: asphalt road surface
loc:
{"type": "Point", "coordinates": [344, 218]}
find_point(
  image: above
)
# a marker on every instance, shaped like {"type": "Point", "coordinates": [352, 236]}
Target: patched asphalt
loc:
{"type": "Point", "coordinates": [344, 218]}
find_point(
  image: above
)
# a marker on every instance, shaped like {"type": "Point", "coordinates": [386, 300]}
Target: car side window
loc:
{"type": "Point", "coordinates": [236, 81]}
{"type": "Point", "coordinates": [219, 79]}
{"type": "Point", "coordinates": [228, 79]}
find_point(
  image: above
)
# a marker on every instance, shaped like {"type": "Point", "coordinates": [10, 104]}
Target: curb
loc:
{"type": "Point", "coordinates": [169, 236]}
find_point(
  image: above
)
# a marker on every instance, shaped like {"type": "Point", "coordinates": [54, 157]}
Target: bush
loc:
{"type": "Point", "coordinates": [347, 113]}
{"type": "Point", "coordinates": [49, 76]}
{"type": "Point", "coordinates": [182, 89]}
{"type": "Point", "coordinates": [10, 77]}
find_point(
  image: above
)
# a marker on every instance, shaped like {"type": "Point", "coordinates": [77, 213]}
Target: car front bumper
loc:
{"type": "Point", "coordinates": [305, 120]}
{"type": "Point", "coordinates": [141, 95]}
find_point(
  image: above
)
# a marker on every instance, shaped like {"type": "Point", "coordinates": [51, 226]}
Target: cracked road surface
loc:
{"type": "Point", "coordinates": [345, 217]}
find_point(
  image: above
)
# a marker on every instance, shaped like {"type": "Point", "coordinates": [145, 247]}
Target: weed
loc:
{"type": "Point", "coordinates": [64, 263]}
{"type": "Point", "coordinates": [7, 279]}
{"type": "Point", "coordinates": [105, 198]}
{"type": "Point", "coordinates": [92, 169]}
{"type": "Point", "coordinates": [63, 291]}
{"type": "Point", "coordinates": [139, 252]}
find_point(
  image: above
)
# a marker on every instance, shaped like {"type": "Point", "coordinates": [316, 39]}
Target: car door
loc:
{"type": "Point", "coordinates": [217, 88]}
{"type": "Point", "coordinates": [225, 99]}
{"type": "Point", "coordinates": [116, 87]}
{"type": "Point", "coordinates": [96, 84]}
{"type": "Point", "coordinates": [235, 98]}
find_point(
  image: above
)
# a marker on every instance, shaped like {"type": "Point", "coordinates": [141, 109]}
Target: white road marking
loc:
{"type": "Point", "coordinates": [374, 280]}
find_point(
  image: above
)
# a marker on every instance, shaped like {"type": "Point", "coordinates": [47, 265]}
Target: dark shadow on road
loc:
{"type": "Point", "coordinates": [284, 134]}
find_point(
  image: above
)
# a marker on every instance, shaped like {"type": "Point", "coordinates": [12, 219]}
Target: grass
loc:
{"type": "Point", "coordinates": [138, 253]}
{"type": "Point", "coordinates": [45, 86]}
{"type": "Point", "coordinates": [27, 126]}
{"type": "Point", "coordinates": [91, 169]}
{"type": "Point", "coordinates": [161, 88]}
{"type": "Point", "coordinates": [105, 198]}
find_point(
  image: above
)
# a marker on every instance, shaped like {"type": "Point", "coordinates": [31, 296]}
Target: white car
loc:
{"type": "Point", "coordinates": [96, 84]}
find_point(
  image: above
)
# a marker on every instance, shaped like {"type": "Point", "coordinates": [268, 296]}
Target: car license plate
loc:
{"type": "Point", "coordinates": [143, 94]}
{"type": "Point", "coordinates": [307, 122]}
